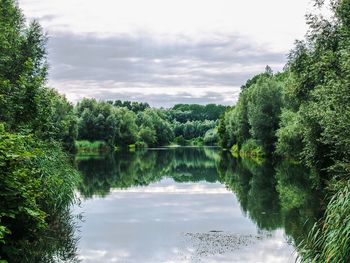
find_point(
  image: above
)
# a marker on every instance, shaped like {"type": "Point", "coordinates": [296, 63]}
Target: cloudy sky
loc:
{"type": "Point", "coordinates": [165, 51]}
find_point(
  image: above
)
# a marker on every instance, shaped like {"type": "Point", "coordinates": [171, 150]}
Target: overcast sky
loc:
{"type": "Point", "coordinates": [165, 51]}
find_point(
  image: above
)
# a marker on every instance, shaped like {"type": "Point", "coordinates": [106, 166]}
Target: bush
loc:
{"type": "Point", "coordinates": [211, 137]}
{"type": "Point", "coordinates": [197, 141]}
{"type": "Point", "coordinates": [95, 147]}
{"type": "Point", "coordinates": [180, 140]}
{"type": "Point", "coordinates": [251, 148]}
{"type": "Point", "coordinates": [235, 151]}
{"type": "Point", "coordinates": [37, 183]}
{"type": "Point", "coordinates": [141, 145]}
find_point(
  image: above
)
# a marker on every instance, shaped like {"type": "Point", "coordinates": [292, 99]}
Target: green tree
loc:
{"type": "Point", "coordinates": [27, 105]}
{"type": "Point", "coordinates": [264, 109]}
{"type": "Point", "coordinates": [289, 135]}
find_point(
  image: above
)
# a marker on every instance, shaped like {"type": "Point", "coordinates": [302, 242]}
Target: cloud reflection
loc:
{"type": "Point", "coordinates": [127, 227]}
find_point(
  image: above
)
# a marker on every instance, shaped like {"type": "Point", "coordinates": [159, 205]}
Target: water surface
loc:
{"type": "Point", "coordinates": [191, 205]}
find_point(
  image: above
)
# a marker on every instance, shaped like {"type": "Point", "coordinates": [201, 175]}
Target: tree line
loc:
{"type": "Point", "coordinates": [303, 113]}
{"type": "Point", "coordinates": [125, 123]}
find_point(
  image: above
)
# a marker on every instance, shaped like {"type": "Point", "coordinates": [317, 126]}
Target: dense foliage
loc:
{"type": "Point", "coordinates": [256, 115]}
{"type": "Point", "coordinates": [125, 123]}
{"type": "Point", "coordinates": [304, 114]}
{"type": "Point", "coordinates": [133, 106]}
{"type": "Point", "coordinates": [119, 126]}
{"type": "Point", "coordinates": [196, 124]}
{"type": "Point", "coordinates": [26, 104]}
{"type": "Point", "coordinates": [194, 112]}
{"type": "Point", "coordinates": [37, 188]}
{"type": "Point", "coordinates": [37, 180]}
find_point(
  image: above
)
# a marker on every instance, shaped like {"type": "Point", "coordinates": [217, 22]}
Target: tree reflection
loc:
{"type": "Point", "coordinates": [274, 196]}
{"type": "Point", "coordinates": [56, 244]}
{"type": "Point", "coordinates": [301, 201]}
{"type": "Point", "coordinates": [126, 169]}
{"type": "Point", "coordinates": [284, 195]}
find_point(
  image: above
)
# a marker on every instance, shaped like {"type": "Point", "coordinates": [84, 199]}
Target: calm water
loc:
{"type": "Point", "coordinates": [191, 205]}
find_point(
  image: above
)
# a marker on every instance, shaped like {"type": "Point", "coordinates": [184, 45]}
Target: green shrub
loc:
{"type": "Point", "coordinates": [132, 147]}
{"type": "Point", "coordinates": [235, 151]}
{"type": "Point", "coordinates": [211, 137]}
{"type": "Point", "coordinates": [95, 147]}
{"type": "Point", "coordinates": [37, 183]}
{"type": "Point", "coordinates": [251, 148]}
{"type": "Point", "coordinates": [141, 145]}
{"type": "Point", "coordinates": [180, 140]}
{"type": "Point", "coordinates": [197, 141]}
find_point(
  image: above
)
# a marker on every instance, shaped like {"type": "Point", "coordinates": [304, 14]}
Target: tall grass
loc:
{"type": "Point", "coordinates": [58, 179]}
{"type": "Point", "coordinates": [329, 240]}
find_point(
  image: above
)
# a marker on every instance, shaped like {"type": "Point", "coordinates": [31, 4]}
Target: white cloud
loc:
{"type": "Point", "coordinates": [134, 48]}
{"type": "Point", "coordinates": [157, 96]}
{"type": "Point", "coordinates": [274, 22]}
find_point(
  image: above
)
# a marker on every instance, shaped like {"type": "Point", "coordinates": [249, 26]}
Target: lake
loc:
{"type": "Point", "coordinates": [192, 205]}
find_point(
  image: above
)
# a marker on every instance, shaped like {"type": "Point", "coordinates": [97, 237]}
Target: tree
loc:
{"type": "Point", "coordinates": [211, 137]}
{"type": "Point", "coordinates": [320, 67]}
{"type": "Point", "coordinates": [147, 135]}
{"type": "Point", "coordinates": [27, 105]}
{"type": "Point", "coordinates": [264, 109]}
{"type": "Point", "coordinates": [290, 135]}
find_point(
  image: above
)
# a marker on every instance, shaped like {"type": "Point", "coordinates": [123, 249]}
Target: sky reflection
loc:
{"type": "Point", "coordinates": [150, 224]}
